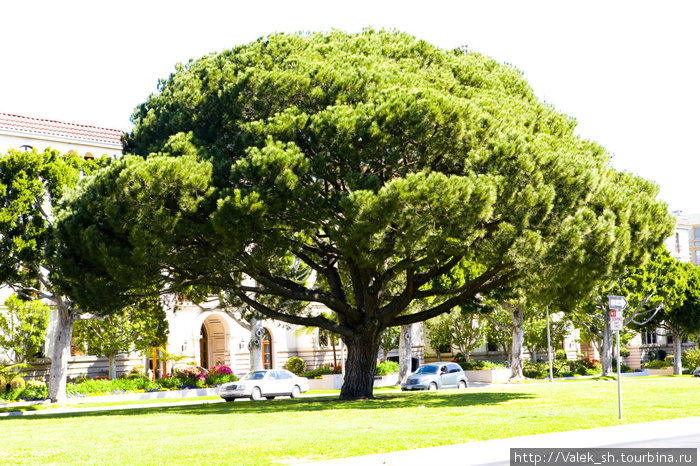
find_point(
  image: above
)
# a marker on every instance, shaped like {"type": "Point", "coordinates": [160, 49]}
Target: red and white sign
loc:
{"type": "Point", "coordinates": [616, 323]}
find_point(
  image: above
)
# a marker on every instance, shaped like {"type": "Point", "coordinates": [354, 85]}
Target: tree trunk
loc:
{"type": "Point", "coordinates": [255, 346]}
{"type": "Point", "coordinates": [405, 351]}
{"type": "Point", "coordinates": [677, 351]}
{"type": "Point", "coordinates": [517, 315]}
{"type": "Point", "coordinates": [533, 354]}
{"type": "Point", "coordinates": [363, 348]}
{"type": "Point", "coordinates": [60, 354]}
{"type": "Point", "coordinates": [516, 355]}
{"type": "Point", "coordinates": [606, 353]}
{"type": "Point", "coordinates": [112, 358]}
{"type": "Point", "coordinates": [439, 355]}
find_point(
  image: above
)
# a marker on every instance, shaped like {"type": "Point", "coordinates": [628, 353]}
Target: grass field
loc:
{"type": "Point", "coordinates": [281, 431]}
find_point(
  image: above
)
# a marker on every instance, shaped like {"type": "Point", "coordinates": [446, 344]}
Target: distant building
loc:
{"type": "Point", "coordinates": [26, 133]}
{"type": "Point", "coordinates": [694, 220]}
{"type": "Point", "coordinates": [678, 244]}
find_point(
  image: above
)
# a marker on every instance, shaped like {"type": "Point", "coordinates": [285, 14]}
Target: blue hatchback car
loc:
{"type": "Point", "coordinates": [436, 375]}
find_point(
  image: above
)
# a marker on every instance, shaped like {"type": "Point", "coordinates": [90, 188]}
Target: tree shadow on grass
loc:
{"type": "Point", "coordinates": [428, 400]}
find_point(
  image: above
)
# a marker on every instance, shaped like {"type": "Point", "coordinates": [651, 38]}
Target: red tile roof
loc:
{"type": "Point", "coordinates": [24, 124]}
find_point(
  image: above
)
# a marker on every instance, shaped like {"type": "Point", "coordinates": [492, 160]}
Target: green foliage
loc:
{"type": "Point", "coordinates": [692, 358]}
{"type": "Point", "coordinates": [139, 327]}
{"type": "Point", "coordinates": [389, 339]}
{"type": "Point", "coordinates": [386, 368]}
{"type": "Point", "coordinates": [562, 368]}
{"type": "Point", "coordinates": [480, 365]}
{"type": "Point", "coordinates": [655, 364]}
{"type": "Point", "coordinates": [322, 370]}
{"type": "Point", "coordinates": [560, 354]}
{"type": "Point", "coordinates": [295, 365]}
{"type": "Point", "coordinates": [3, 383]}
{"type": "Point", "coordinates": [218, 379]}
{"type": "Point", "coordinates": [624, 352]}
{"type": "Point", "coordinates": [23, 328]}
{"type": "Point", "coordinates": [17, 382]}
{"type": "Point", "coordinates": [439, 334]}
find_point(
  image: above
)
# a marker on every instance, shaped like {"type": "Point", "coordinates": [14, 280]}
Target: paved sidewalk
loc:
{"type": "Point", "coordinates": [676, 433]}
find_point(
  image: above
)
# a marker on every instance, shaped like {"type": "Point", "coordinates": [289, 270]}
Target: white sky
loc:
{"type": "Point", "coordinates": [628, 71]}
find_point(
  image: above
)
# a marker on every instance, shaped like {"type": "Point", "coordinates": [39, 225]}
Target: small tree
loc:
{"type": "Point", "coordinates": [658, 283]}
{"type": "Point", "coordinates": [23, 328]}
{"type": "Point", "coordinates": [139, 328]}
{"type": "Point", "coordinates": [682, 317]}
{"type": "Point", "coordinates": [536, 333]}
{"type": "Point", "coordinates": [389, 340]}
{"type": "Point", "coordinates": [467, 331]}
{"type": "Point", "coordinates": [439, 334]}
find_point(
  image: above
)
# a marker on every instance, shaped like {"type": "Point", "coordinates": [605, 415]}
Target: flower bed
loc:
{"type": "Point", "coordinates": [190, 377]}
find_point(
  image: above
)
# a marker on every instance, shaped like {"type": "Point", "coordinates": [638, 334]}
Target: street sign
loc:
{"type": "Point", "coordinates": [617, 303]}
{"type": "Point", "coordinates": [616, 324]}
{"type": "Point", "coordinates": [615, 314]}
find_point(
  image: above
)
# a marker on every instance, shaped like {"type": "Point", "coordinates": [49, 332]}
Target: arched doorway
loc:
{"type": "Point", "coordinates": [204, 347]}
{"type": "Point", "coordinates": [213, 342]}
{"type": "Point", "coordinates": [267, 350]}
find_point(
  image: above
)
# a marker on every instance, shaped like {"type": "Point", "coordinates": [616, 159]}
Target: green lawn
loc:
{"type": "Point", "coordinates": [316, 428]}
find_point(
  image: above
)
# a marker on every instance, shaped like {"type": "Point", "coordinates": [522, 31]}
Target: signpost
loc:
{"type": "Point", "coordinates": [617, 304]}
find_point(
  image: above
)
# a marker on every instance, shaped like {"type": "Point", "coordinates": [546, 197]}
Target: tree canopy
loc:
{"type": "Point", "coordinates": [379, 161]}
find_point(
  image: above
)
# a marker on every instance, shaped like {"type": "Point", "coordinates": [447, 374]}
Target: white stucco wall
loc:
{"type": "Point", "coordinates": [41, 142]}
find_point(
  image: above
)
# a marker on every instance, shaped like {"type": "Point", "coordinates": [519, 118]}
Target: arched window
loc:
{"type": "Point", "coordinates": [267, 350]}
{"type": "Point", "coordinates": [88, 156]}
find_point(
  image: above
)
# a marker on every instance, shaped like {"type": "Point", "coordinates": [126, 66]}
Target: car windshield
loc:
{"type": "Point", "coordinates": [257, 375]}
{"type": "Point", "coordinates": [427, 370]}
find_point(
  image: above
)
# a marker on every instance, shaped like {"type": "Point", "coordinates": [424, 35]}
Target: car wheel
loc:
{"type": "Point", "coordinates": [432, 386]}
{"type": "Point", "coordinates": [229, 398]}
{"type": "Point", "coordinates": [296, 391]}
{"type": "Point", "coordinates": [462, 384]}
{"type": "Point", "coordinates": [270, 397]}
{"type": "Point", "coordinates": [256, 395]}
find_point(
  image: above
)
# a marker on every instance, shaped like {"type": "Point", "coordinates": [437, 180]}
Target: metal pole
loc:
{"type": "Point", "coordinates": [619, 389]}
{"type": "Point", "coordinates": [549, 349]}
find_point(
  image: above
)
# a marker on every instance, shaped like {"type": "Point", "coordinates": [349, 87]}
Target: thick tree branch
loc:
{"type": "Point", "coordinates": [485, 282]}
{"type": "Point", "coordinates": [315, 321]}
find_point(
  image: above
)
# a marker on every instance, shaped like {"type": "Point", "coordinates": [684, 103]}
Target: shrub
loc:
{"type": "Point", "coordinates": [624, 352]}
{"type": "Point", "coordinates": [220, 369]}
{"type": "Point", "coordinates": [17, 382]}
{"type": "Point", "coordinates": [194, 376]}
{"type": "Point", "coordinates": [35, 390]}
{"type": "Point", "coordinates": [480, 365]}
{"type": "Point", "coordinates": [386, 368]}
{"type": "Point", "coordinates": [295, 365]}
{"type": "Point", "coordinates": [691, 359]}
{"type": "Point", "coordinates": [560, 354]}
{"type": "Point", "coordinates": [3, 384]}
{"type": "Point", "coordinates": [655, 364]}
{"type": "Point", "coordinates": [139, 369]}
{"type": "Point", "coordinates": [218, 379]}
{"type": "Point", "coordinates": [535, 370]}
{"type": "Point", "coordinates": [322, 370]}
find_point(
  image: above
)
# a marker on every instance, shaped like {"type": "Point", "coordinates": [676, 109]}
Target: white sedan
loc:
{"type": "Point", "coordinates": [265, 383]}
